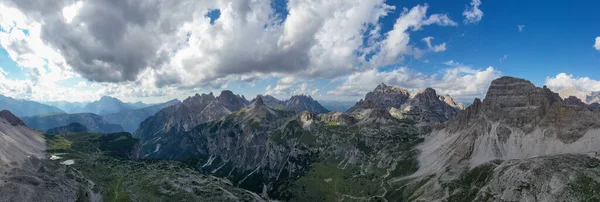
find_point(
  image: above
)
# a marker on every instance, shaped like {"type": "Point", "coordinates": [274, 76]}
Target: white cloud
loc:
{"type": "Point", "coordinates": [453, 63]}
{"type": "Point", "coordinates": [71, 11]}
{"type": "Point", "coordinates": [597, 44]}
{"type": "Point", "coordinates": [503, 58]}
{"type": "Point", "coordinates": [521, 27]}
{"type": "Point", "coordinates": [563, 80]}
{"type": "Point", "coordinates": [473, 14]}
{"type": "Point", "coordinates": [149, 50]}
{"type": "Point", "coordinates": [437, 48]}
{"type": "Point", "coordinates": [396, 43]}
{"type": "Point", "coordinates": [460, 82]}
{"type": "Point", "coordinates": [288, 86]}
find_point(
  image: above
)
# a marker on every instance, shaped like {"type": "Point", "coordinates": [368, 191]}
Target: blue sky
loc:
{"type": "Point", "coordinates": [549, 43]}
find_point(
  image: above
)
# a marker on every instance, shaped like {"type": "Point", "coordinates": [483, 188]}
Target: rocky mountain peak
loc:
{"type": "Point", "coordinates": [383, 97]}
{"type": "Point", "coordinates": [299, 103]}
{"type": "Point", "coordinates": [258, 101]}
{"type": "Point", "coordinates": [509, 92]}
{"type": "Point", "coordinates": [231, 101]}
{"type": "Point", "coordinates": [11, 118]}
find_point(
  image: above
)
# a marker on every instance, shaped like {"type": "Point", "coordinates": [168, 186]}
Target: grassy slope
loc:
{"type": "Point", "coordinates": [102, 159]}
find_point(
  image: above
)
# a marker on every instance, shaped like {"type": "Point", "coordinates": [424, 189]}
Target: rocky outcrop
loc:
{"type": "Point", "coordinates": [188, 114]}
{"type": "Point", "coordinates": [71, 128]}
{"type": "Point", "coordinates": [299, 103]}
{"type": "Point", "coordinates": [424, 106]}
{"type": "Point", "coordinates": [11, 118]}
{"type": "Point", "coordinates": [383, 97]}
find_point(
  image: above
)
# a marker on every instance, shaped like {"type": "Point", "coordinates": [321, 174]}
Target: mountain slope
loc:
{"type": "Point", "coordinates": [93, 122]}
{"type": "Point", "coordinates": [23, 108]}
{"type": "Point", "coordinates": [71, 128]}
{"type": "Point", "coordinates": [519, 135]}
{"type": "Point", "coordinates": [300, 103]}
{"type": "Point", "coordinates": [105, 105]}
{"type": "Point", "coordinates": [294, 156]}
{"type": "Point", "coordinates": [189, 113]}
{"type": "Point", "coordinates": [17, 141]}
{"type": "Point", "coordinates": [131, 119]}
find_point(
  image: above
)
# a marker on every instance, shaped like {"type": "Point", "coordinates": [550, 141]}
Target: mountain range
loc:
{"type": "Point", "coordinates": [93, 122]}
{"type": "Point", "coordinates": [25, 107]}
{"type": "Point", "coordinates": [130, 119]}
{"type": "Point", "coordinates": [519, 143]}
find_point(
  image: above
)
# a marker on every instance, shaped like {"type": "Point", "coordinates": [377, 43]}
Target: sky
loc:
{"type": "Point", "coordinates": [157, 50]}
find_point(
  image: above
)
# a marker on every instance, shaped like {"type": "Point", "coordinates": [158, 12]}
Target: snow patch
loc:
{"type": "Point", "coordinates": [68, 162]}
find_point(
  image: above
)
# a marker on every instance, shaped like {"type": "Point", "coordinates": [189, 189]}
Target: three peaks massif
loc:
{"type": "Point", "coordinates": [520, 143]}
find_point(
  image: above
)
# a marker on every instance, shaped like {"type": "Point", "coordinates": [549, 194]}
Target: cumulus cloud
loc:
{"type": "Point", "coordinates": [288, 86]}
{"type": "Point", "coordinates": [153, 47]}
{"type": "Point", "coordinates": [396, 44]}
{"type": "Point", "coordinates": [472, 13]}
{"type": "Point", "coordinates": [461, 82]}
{"type": "Point", "coordinates": [597, 44]}
{"type": "Point", "coordinates": [563, 80]}
{"type": "Point", "coordinates": [437, 48]}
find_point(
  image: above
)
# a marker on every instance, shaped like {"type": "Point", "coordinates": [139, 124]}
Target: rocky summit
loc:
{"type": "Point", "coordinates": [422, 106]}
{"type": "Point", "coordinates": [300, 103]}
{"type": "Point", "coordinates": [191, 112]}
{"type": "Point", "coordinates": [516, 120]}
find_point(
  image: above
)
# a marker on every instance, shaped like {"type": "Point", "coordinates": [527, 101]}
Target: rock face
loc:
{"type": "Point", "coordinates": [383, 97]}
{"type": "Point", "coordinates": [71, 128]}
{"type": "Point", "coordinates": [22, 108]}
{"type": "Point", "coordinates": [131, 119]}
{"type": "Point", "coordinates": [272, 102]}
{"type": "Point", "coordinates": [93, 122]}
{"type": "Point", "coordinates": [300, 103]}
{"type": "Point", "coordinates": [516, 120]}
{"type": "Point", "coordinates": [520, 143]}
{"type": "Point", "coordinates": [188, 114]}
{"type": "Point", "coordinates": [423, 106]}
{"type": "Point", "coordinates": [17, 141]}
{"type": "Point", "coordinates": [267, 150]}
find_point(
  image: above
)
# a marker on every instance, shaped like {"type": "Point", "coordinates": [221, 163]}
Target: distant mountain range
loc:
{"type": "Point", "coordinates": [22, 108]}
{"type": "Point", "coordinates": [130, 119]}
{"type": "Point", "coordinates": [93, 122]}
{"type": "Point", "coordinates": [296, 103]}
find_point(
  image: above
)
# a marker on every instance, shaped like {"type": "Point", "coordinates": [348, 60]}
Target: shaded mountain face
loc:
{"type": "Point", "coordinates": [131, 119]}
{"type": "Point", "coordinates": [189, 113]}
{"type": "Point", "coordinates": [23, 108]}
{"type": "Point", "coordinates": [423, 106]}
{"type": "Point", "coordinates": [71, 128]}
{"type": "Point", "coordinates": [93, 122]}
{"type": "Point", "coordinates": [68, 107]}
{"type": "Point", "coordinates": [334, 105]}
{"type": "Point", "coordinates": [272, 102]}
{"type": "Point", "coordinates": [300, 103]}
{"type": "Point", "coordinates": [297, 103]}
{"type": "Point", "coordinates": [106, 105]}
